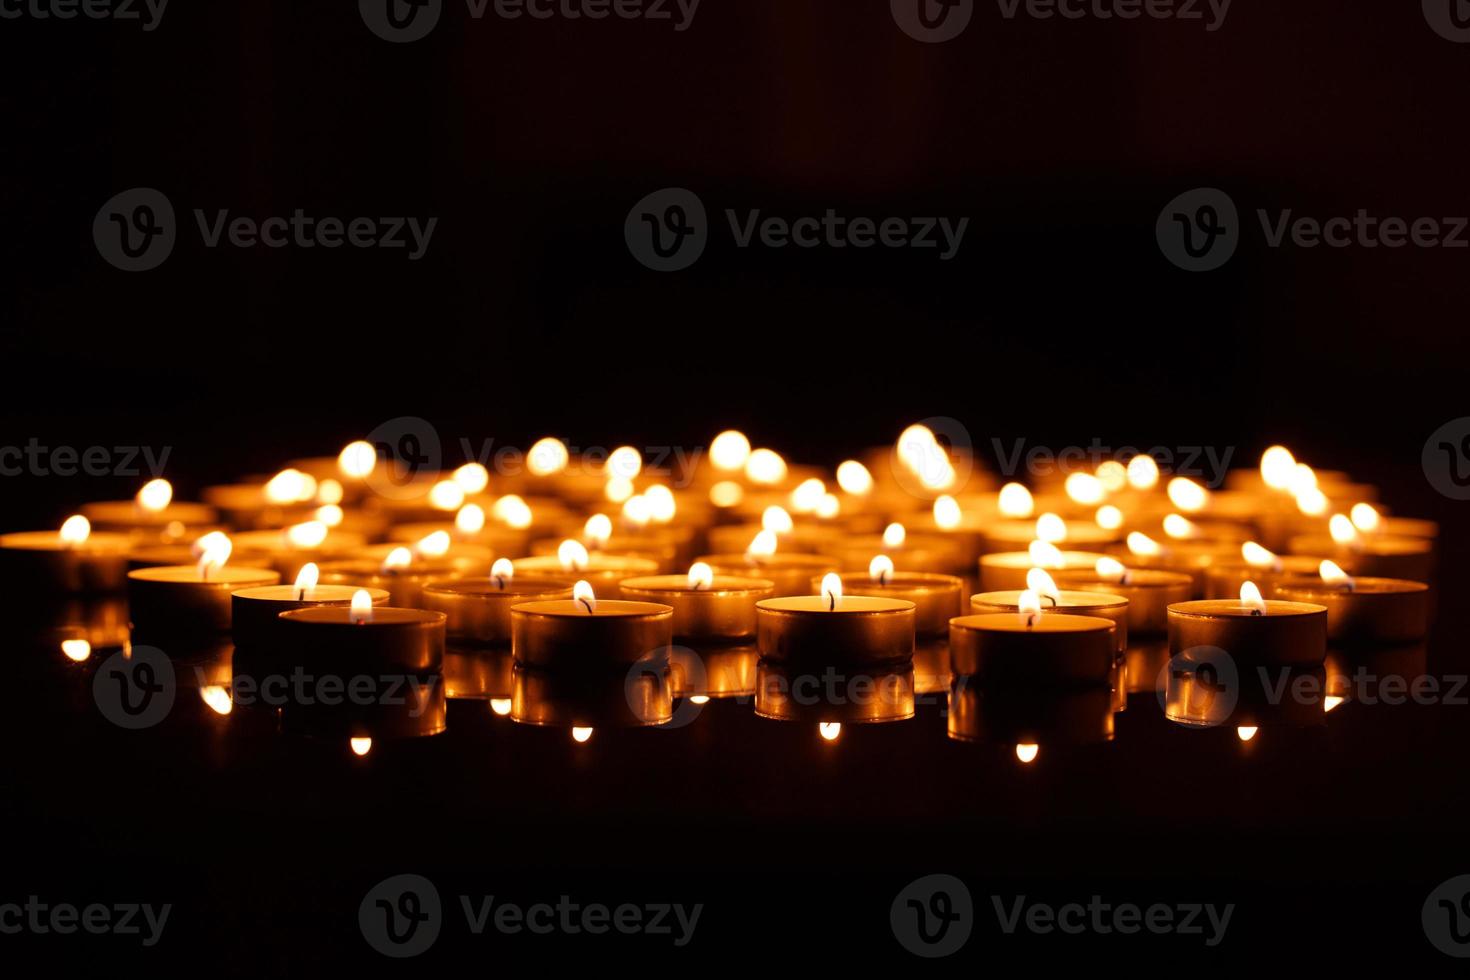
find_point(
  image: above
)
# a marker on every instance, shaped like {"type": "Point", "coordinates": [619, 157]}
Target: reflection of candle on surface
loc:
{"type": "Point", "coordinates": [585, 632]}
{"type": "Point", "coordinates": [1073, 603]}
{"type": "Point", "coordinates": [1252, 629]}
{"type": "Point", "coordinates": [189, 600]}
{"type": "Point", "coordinates": [72, 559]}
{"type": "Point", "coordinates": [255, 611]}
{"type": "Point", "coordinates": [1030, 647]}
{"type": "Point", "coordinates": [1363, 611]}
{"type": "Point", "coordinates": [706, 606]}
{"type": "Point", "coordinates": [1149, 591]}
{"type": "Point", "coordinates": [836, 629]}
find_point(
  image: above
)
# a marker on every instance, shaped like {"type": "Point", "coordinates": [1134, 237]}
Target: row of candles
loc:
{"type": "Point", "coordinates": [1058, 576]}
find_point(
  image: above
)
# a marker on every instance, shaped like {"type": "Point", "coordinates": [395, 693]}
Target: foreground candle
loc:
{"type": "Point", "coordinates": [255, 612]}
{"type": "Point", "coordinates": [706, 606]}
{"type": "Point", "coordinates": [586, 632]}
{"type": "Point", "coordinates": [1073, 603]}
{"type": "Point", "coordinates": [478, 609]}
{"type": "Point", "coordinates": [937, 598]}
{"type": "Point", "coordinates": [1149, 592]}
{"type": "Point", "coordinates": [1029, 647]}
{"type": "Point", "coordinates": [1252, 629]}
{"type": "Point", "coordinates": [1363, 611]}
{"type": "Point", "coordinates": [191, 600]}
{"type": "Point", "coordinates": [363, 639]}
{"type": "Point", "coordinates": [72, 559]}
{"type": "Point", "coordinates": [835, 629]}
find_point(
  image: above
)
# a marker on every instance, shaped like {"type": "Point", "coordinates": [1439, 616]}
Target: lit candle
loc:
{"type": "Point", "coordinates": [937, 598]}
{"type": "Point", "coordinates": [191, 600]}
{"type": "Point", "coordinates": [478, 609]}
{"type": "Point", "coordinates": [1149, 592]}
{"type": "Point", "coordinates": [1073, 603]}
{"type": "Point", "coordinates": [1007, 570]}
{"type": "Point", "coordinates": [832, 628]}
{"type": "Point", "coordinates": [790, 573]}
{"type": "Point", "coordinates": [361, 638]}
{"type": "Point", "coordinates": [1079, 535]}
{"type": "Point", "coordinates": [72, 559]}
{"type": "Point", "coordinates": [1029, 647]}
{"type": "Point", "coordinates": [585, 632]}
{"type": "Point", "coordinates": [1381, 555]}
{"type": "Point", "coordinates": [1252, 629]}
{"type": "Point", "coordinates": [1190, 557]}
{"type": "Point", "coordinates": [400, 572]}
{"type": "Point", "coordinates": [908, 552]}
{"type": "Point", "coordinates": [152, 511]}
{"type": "Point", "coordinates": [572, 560]}
{"type": "Point", "coordinates": [255, 611]}
{"type": "Point", "coordinates": [1224, 578]}
{"type": "Point", "coordinates": [287, 549]}
{"type": "Point", "coordinates": [706, 606]}
{"type": "Point", "coordinates": [1363, 611]}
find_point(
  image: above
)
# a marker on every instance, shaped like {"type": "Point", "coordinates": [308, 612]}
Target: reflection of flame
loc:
{"type": "Point", "coordinates": [572, 555]}
{"type": "Point", "coordinates": [1250, 597]}
{"type": "Point", "coordinates": [947, 513]}
{"type": "Point", "coordinates": [894, 536]}
{"type": "Point", "coordinates": [1026, 752]}
{"type": "Point", "coordinates": [1331, 701]}
{"type": "Point", "coordinates": [76, 650]}
{"type": "Point", "coordinates": [217, 698]}
{"type": "Point", "coordinates": [581, 734]}
{"type": "Point", "coordinates": [360, 746]}
{"type": "Point", "coordinates": [1257, 557]}
{"type": "Point", "coordinates": [701, 575]}
{"type": "Point", "coordinates": [75, 530]}
{"type": "Point", "coordinates": [361, 610]}
{"type": "Point", "coordinates": [1142, 545]}
{"type": "Point", "coordinates": [853, 477]}
{"type": "Point", "coordinates": [1044, 554]}
{"type": "Point", "coordinates": [1111, 570]}
{"type": "Point", "coordinates": [1050, 527]}
{"type": "Point", "coordinates": [1038, 580]}
{"type": "Point", "coordinates": [1246, 732]}
{"type": "Point", "coordinates": [155, 495]}
{"type": "Point", "coordinates": [832, 589]}
{"type": "Point", "coordinates": [357, 459]}
{"type": "Point", "coordinates": [1278, 466]}
{"type": "Point", "coordinates": [880, 569]}
{"type": "Point", "coordinates": [1014, 501]}
{"type": "Point", "coordinates": [829, 730]}
{"type": "Point", "coordinates": [729, 450]}
{"type": "Point", "coordinates": [1365, 518]}
{"type": "Point", "coordinates": [583, 596]}
{"type": "Point", "coordinates": [501, 706]}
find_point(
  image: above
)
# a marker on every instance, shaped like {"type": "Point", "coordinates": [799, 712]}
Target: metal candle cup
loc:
{"type": "Point", "coordinates": [1149, 592]}
{"type": "Point", "coordinates": [177, 600]}
{"type": "Point", "coordinates": [1223, 579]}
{"type": "Point", "coordinates": [602, 572]}
{"type": "Point", "coordinates": [1079, 603]}
{"type": "Point", "coordinates": [723, 611]}
{"type": "Point", "coordinates": [851, 630]}
{"type": "Point", "coordinates": [478, 609]}
{"type": "Point", "coordinates": [790, 573]}
{"type": "Point", "coordinates": [41, 561]}
{"type": "Point", "coordinates": [563, 635]}
{"type": "Point", "coordinates": [1287, 634]}
{"type": "Point", "coordinates": [1370, 612]}
{"type": "Point", "coordinates": [255, 612]}
{"type": "Point", "coordinates": [937, 598]}
{"type": "Point", "coordinates": [1380, 555]}
{"type": "Point", "coordinates": [1007, 569]}
{"type": "Point", "coordinates": [333, 640]}
{"type": "Point", "coordinates": [1050, 649]}
{"type": "Point", "coordinates": [404, 584]}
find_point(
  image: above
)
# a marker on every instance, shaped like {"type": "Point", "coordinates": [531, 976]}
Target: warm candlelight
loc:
{"type": "Point", "coordinates": [706, 606]}
{"type": "Point", "coordinates": [585, 632]}
{"type": "Point", "coordinates": [1363, 611]}
{"type": "Point", "coordinates": [1252, 629]}
{"type": "Point", "coordinates": [191, 600]}
{"type": "Point", "coordinates": [1075, 603]}
{"type": "Point", "coordinates": [1031, 647]}
{"type": "Point", "coordinates": [937, 598]}
{"type": "Point", "coordinates": [477, 610]}
{"type": "Point", "coordinates": [71, 559]}
{"type": "Point", "coordinates": [833, 628]}
{"type": "Point", "coordinates": [1149, 592]}
{"type": "Point", "coordinates": [255, 611]}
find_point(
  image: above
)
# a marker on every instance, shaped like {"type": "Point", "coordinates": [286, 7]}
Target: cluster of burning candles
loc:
{"type": "Point", "coordinates": [579, 566]}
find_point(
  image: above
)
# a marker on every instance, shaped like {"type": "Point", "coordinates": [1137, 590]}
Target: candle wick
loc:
{"type": "Point", "coordinates": [587, 605]}
{"type": "Point", "coordinates": [1052, 599]}
{"type": "Point", "coordinates": [500, 582]}
{"type": "Point", "coordinates": [1030, 620]}
{"type": "Point", "coordinates": [301, 594]}
{"type": "Point", "coordinates": [1257, 612]}
{"type": "Point", "coordinates": [831, 602]}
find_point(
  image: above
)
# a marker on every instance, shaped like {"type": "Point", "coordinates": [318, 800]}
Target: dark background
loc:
{"type": "Point", "coordinates": [1059, 321]}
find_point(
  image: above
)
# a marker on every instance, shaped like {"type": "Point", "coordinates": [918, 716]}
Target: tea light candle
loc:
{"type": "Point", "coordinates": [361, 638]}
{"type": "Point", "coordinates": [1074, 603]}
{"type": "Point", "coordinates": [399, 573]}
{"type": "Point", "coordinates": [1381, 555]}
{"type": "Point", "coordinates": [1190, 557]}
{"type": "Point", "coordinates": [835, 629]}
{"type": "Point", "coordinates": [584, 632]}
{"type": "Point", "coordinates": [1079, 535]}
{"type": "Point", "coordinates": [72, 559]}
{"type": "Point", "coordinates": [1007, 570]}
{"type": "Point", "coordinates": [572, 560]}
{"type": "Point", "coordinates": [288, 549]}
{"type": "Point", "coordinates": [1223, 579]}
{"type": "Point", "coordinates": [1028, 647]}
{"type": "Point", "coordinates": [937, 598]}
{"type": "Point", "coordinates": [191, 600]}
{"type": "Point", "coordinates": [153, 509]}
{"type": "Point", "coordinates": [478, 609]}
{"type": "Point", "coordinates": [255, 612]}
{"type": "Point", "coordinates": [706, 606]}
{"type": "Point", "coordinates": [1363, 611]}
{"type": "Point", "coordinates": [1252, 629]}
{"type": "Point", "coordinates": [1149, 592]}
{"type": "Point", "coordinates": [908, 552]}
{"type": "Point", "coordinates": [790, 573]}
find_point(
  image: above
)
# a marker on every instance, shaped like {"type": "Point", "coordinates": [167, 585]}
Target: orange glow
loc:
{"type": "Point", "coordinates": [1143, 473]}
{"type": "Point", "coordinates": [1111, 570]}
{"type": "Point", "coordinates": [361, 610]}
{"type": "Point", "coordinates": [765, 466]}
{"type": "Point", "coordinates": [894, 536]}
{"type": "Point", "coordinates": [290, 487]}
{"type": "Point", "coordinates": [661, 506]}
{"type": "Point", "coordinates": [512, 511]}
{"type": "Point", "coordinates": [832, 590]}
{"type": "Point", "coordinates": [1342, 530]}
{"type": "Point", "coordinates": [597, 530]}
{"type": "Point", "coordinates": [880, 569]}
{"type": "Point", "coordinates": [1039, 580]}
{"type": "Point", "coordinates": [470, 519]}
{"type": "Point", "coordinates": [309, 534]}
{"type": "Point", "coordinates": [1085, 489]}
{"type": "Point", "coordinates": [729, 451]}
{"type": "Point", "coordinates": [726, 493]}
{"type": "Point", "coordinates": [583, 596]}
{"type": "Point", "coordinates": [853, 477]}
{"type": "Point", "coordinates": [701, 575]}
{"type": "Point", "coordinates": [501, 706]}
{"type": "Point", "coordinates": [76, 651]}
{"type": "Point", "coordinates": [155, 495]}
{"type": "Point", "coordinates": [329, 514]}
{"type": "Point", "coordinates": [1257, 557]}
{"type": "Point", "coordinates": [1365, 518]}
{"type": "Point", "coordinates": [572, 555]}
{"type": "Point", "coordinates": [1109, 518]}
{"type": "Point", "coordinates": [472, 478]}
{"type": "Point", "coordinates": [547, 457]}
{"type": "Point", "coordinates": [307, 578]}
{"type": "Point", "coordinates": [502, 571]}
{"type": "Point", "coordinates": [1027, 752]}
{"type": "Point", "coordinates": [1180, 528]}
{"type": "Point", "coordinates": [397, 558]}
{"type": "Point", "coordinates": [763, 545]}
{"type": "Point", "coordinates": [1044, 554]}
{"type": "Point", "coordinates": [1113, 475]}
{"type": "Point", "coordinates": [776, 519]}
{"type": "Point", "coordinates": [75, 530]}
{"type": "Point", "coordinates": [580, 735]}
{"type": "Point", "coordinates": [1015, 501]}
{"type": "Point", "coordinates": [1332, 574]}
{"type": "Point", "coordinates": [947, 513]}
{"type": "Point", "coordinates": [214, 550]}
{"type": "Point", "coordinates": [1246, 732]}
{"type": "Point", "coordinates": [1142, 545]}
{"type": "Point", "coordinates": [446, 495]}
{"type": "Point", "coordinates": [435, 545]}
{"type": "Point", "coordinates": [625, 462]}
{"type": "Point", "coordinates": [1250, 597]}
{"type": "Point", "coordinates": [807, 496]}
{"type": "Point", "coordinates": [360, 746]}
{"type": "Point", "coordinates": [217, 698]}
{"type": "Point", "coordinates": [1187, 495]}
{"type": "Point", "coordinates": [357, 459]}
{"type": "Point", "coordinates": [829, 730]}
{"type": "Point", "coordinates": [1278, 466]}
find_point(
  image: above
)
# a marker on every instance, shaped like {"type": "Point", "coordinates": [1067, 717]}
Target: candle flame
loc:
{"type": "Point", "coordinates": [361, 610]}
{"type": "Point", "coordinates": [1278, 466]}
{"type": "Point", "coordinates": [329, 491]}
{"type": "Point", "coordinates": [155, 495]}
{"type": "Point", "coordinates": [471, 478]}
{"type": "Point", "coordinates": [726, 493]}
{"type": "Point", "coordinates": [880, 569]}
{"type": "Point", "coordinates": [583, 596]}
{"type": "Point", "coordinates": [446, 495]}
{"type": "Point", "coordinates": [1085, 489]}
{"type": "Point", "coordinates": [1342, 529]}
{"type": "Point", "coordinates": [501, 706]}
{"type": "Point", "coordinates": [776, 519]}
{"type": "Point", "coordinates": [1257, 557]}
{"type": "Point", "coordinates": [1051, 528]}
{"type": "Point", "coordinates": [1044, 554]}
{"type": "Point", "coordinates": [1303, 478]}
{"type": "Point", "coordinates": [329, 514]}
{"type": "Point", "coordinates": [765, 466]}
{"type": "Point", "coordinates": [894, 536]}
{"type": "Point", "coordinates": [1180, 528]}
{"type": "Point", "coordinates": [580, 735]}
{"type": "Point", "coordinates": [1026, 752]}
{"type": "Point", "coordinates": [307, 578]}
{"type": "Point", "coordinates": [1014, 501]}
{"type": "Point", "coordinates": [829, 506]}
{"type": "Point", "coordinates": [637, 511]}
{"type": "Point", "coordinates": [701, 575]}
{"type": "Point", "coordinates": [357, 459]}
{"type": "Point", "coordinates": [512, 511]}
{"type": "Point", "coordinates": [309, 534]}
{"type": "Point", "coordinates": [1332, 574]}
{"type": "Point", "coordinates": [1029, 606]}
{"type": "Point", "coordinates": [1113, 475]}
{"type": "Point", "coordinates": [625, 462]}
{"type": "Point", "coordinates": [470, 519]}
{"type": "Point", "coordinates": [502, 571]}
{"type": "Point", "coordinates": [807, 496]}
{"type": "Point", "coordinates": [1108, 517]}
{"type": "Point", "coordinates": [1365, 518]}
{"type": "Point", "coordinates": [1038, 580]}
{"type": "Point", "coordinates": [218, 699]}
{"type": "Point", "coordinates": [597, 530]}
{"type": "Point", "coordinates": [1187, 495]}
{"type": "Point", "coordinates": [729, 451]}
{"type": "Point", "coordinates": [1312, 502]}
{"type": "Point", "coordinates": [75, 530]}
{"type": "Point", "coordinates": [1250, 596]}
{"type": "Point", "coordinates": [1246, 732]}
{"type": "Point", "coordinates": [76, 650]}
{"type": "Point", "coordinates": [661, 505]}
{"type": "Point", "coordinates": [1143, 473]}
{"type": "Point", "coordinates": [947, 513]}
{"type": "Point", "coordinates": [763, 545]}
{"type": "Point", "coordinates": [397, 558]}
{"type": "Point", "coordinates": [1331, 701]}
{"type": "Point", "coordinates": [290, 486]}
{"type": "Point", "coordinates": [435, 545]}
{"type": "Point", "coordinates": [1110, 570]}
{"type": "Point", "coordinates": [829, 730]}
{"type": "Point", "coordinates": [572, 555]}
{"type": "Point", "coordinates": [213, 550]}
{"type": "Point", "coordinates": [1142, 545]}
{"type": "Point", "coordinates": [832, 589]}
{"type": "Point", "coordinates": [853, 477]}
{"type": "Point", "coordinates": [547, 457]}
{"type": "Point", "coordinates": [617, 489]}
{"type": "Point", "coordinates": [360, 746]}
